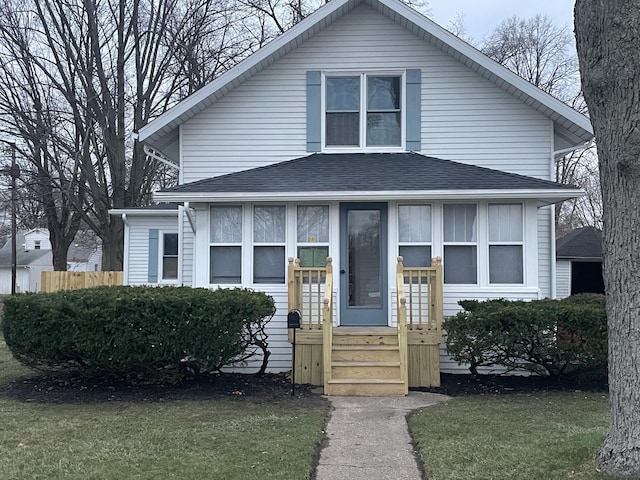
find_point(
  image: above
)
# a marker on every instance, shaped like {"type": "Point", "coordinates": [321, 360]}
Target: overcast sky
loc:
{"type": "Point", "coordinates": [482, 16]}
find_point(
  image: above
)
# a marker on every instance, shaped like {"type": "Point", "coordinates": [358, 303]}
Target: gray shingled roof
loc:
{"type": "Point", "coordinates": [23, 258]}
{"type": "Point", "coordinates": [366, 172]}
{"type": "Point", "coordinates": [585, 242]}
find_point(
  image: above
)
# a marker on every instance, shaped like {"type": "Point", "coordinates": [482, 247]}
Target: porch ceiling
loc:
{"type": "Point", "coordinates": [360, 176]}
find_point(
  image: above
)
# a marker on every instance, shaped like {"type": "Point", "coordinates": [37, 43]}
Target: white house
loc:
{"type": "Point", "coordinates": [363, 133]}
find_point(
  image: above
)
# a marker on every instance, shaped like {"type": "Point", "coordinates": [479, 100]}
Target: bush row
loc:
{"type": "Point", "coordinates": [147, 332]}
{"type": "Point", "coordinates": [546, 337]}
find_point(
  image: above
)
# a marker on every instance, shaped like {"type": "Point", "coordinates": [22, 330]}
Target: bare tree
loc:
{"type": "Point", "coordinates": [544, 55]}
{"type": "Point", "coordinates": [608, 41]}
{"type": "Point", "coordinates": [92, 72]}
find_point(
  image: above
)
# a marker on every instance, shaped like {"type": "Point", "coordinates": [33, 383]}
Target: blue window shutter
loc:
{"type": "Point", "coordinates": [153, 256]}
{"type": "Point", "coordinates": [414, 109]}
{"type": "Point", "coordinates": [314, 111]}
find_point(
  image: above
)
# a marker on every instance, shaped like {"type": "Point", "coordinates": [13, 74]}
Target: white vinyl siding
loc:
{"type": "Point", "coordinates": [138, 248]}
{"type": "Point", "coordinates": [563, 278]}
{"type": "Point", "coordinates": [464, 117]}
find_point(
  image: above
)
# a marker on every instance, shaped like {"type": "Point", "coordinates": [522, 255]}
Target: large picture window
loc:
{"type": "Point", "coordinates": [225, 251]}
{"type": "Point", "coordinates": [313, 235]}
{"type": "Point", "coordinates": [505, 244]}
{"type": "Point", "coordinates": [269, 227]}
{"type": "Point", "coordinates": [363, 111]}
{"type": "Point", "coordinates": [460, 244]}
{"type": "Point", "coordinates": [414, 235]}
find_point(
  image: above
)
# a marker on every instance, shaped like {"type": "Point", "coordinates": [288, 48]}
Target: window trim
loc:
{"type": "Point", "coordinates": [255, 244]}
{"type": "Point", "coordinates": [363, 110]}
{"type": "Point", "coordinates": [476, 243]}
{"type": "Point", "coordinates": [520, 243]}
{"type": "Point", "coordinates": [161, 256]}
{"type": "Point", "coordinates": [429, 243]}
{"type": "Point", "coordinates": [211, 243]}
{"type": "Point", "coordinates": [318, 244]}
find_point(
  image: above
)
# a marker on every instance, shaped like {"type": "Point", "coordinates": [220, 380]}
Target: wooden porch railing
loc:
{"type": "Point", "coordinates": [421, 288]}
{"type": "Point", "coordinates": [311, 293]}
{"type": "Point", "coordinates": [307, 288]}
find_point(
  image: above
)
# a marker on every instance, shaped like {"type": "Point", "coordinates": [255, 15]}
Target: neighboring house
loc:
{"type": "Point", "coordinates": [579, 262]}
{"type": "Point", "coordinates": [363, 133]}
{"type": "Point", "coordinates": [29, 267]}
{"type": "Point", "coordinates": [36, 239]}
{"type": "Point", "coordinates": [84, 258]}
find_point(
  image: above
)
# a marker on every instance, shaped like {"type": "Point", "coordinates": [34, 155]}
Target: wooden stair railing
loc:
{"type": "Point", "coordinates": [306, 292]}
{"type": "Point", "coordinates": [402, 325]}
{"type": "Point", "coordinates": [422, 291]}
{"type": "Point", "coordinates": [327, 325]}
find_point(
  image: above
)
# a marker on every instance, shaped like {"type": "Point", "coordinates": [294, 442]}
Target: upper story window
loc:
{"type": "Point", "coordinates": [363, 111]}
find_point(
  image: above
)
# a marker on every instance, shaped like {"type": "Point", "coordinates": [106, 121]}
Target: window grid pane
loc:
{"type": "Point", "coordinates": [225, 265]}
{"type": "Point", "coordinates": [226, 224]}
{"type": "Point", "coordinates": [505, 223]}
{"type": "Point", "coordinates": [505, 264]}
{"type": "Point", "coordinates": [460, 223]}
{"type": "Point", "coordinates": [460, 264]}
{"type": "Point", "coordinates": [268, 265]}
{"type": "Point", "coordinates": [313, 223]}
{"type": "Point", "coordinates": [414, 223]}
{"type": "Point", "coordinates": [269, 224]}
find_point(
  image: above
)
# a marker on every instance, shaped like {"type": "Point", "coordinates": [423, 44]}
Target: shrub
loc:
{"type": "Point", "coordinates": [145, 332]}
{"type": "Point", "coordinates": [547, 337]}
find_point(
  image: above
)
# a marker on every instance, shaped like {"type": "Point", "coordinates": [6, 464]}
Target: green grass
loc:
{"type": "Point", "coordinates": [515, 437]}
{"type": "Point", "coordinates": [184, 439]}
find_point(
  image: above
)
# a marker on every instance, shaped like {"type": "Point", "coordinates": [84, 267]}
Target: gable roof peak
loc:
{"type": "Point", "coordinates": [163, 130]}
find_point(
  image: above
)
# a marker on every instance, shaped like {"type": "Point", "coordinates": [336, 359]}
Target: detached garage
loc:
{"type": "Point", "coordinates": [579, 262]}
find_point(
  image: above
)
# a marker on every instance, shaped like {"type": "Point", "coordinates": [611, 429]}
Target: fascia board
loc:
{"type": "Point", "coordinates": [546, 196]}
{"type": "Point", "coordinates": [142, 212]}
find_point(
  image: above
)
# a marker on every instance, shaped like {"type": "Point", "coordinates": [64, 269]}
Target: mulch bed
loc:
{"type": "Point", "coordinates": [271, 388]}
{"type": "Point", "coordinates": [460, 385]}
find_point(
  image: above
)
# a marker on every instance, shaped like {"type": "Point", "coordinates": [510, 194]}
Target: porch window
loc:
{"type": "Point", "coordinates": [363, 110]}
{"type": "Point", "coordinates": [269, 227]}
{"type": "Point", "coordinates": [225, 251]}
{"type": "Point", "coordinates": [460, 244]}
{"type": "Point", "coordinates": [414, 235]}
{"type": "Point", "coordinates": [505, 244]}
{"type": "Point", "coordinates": [313, 235]}
{"type": "Point", "coordinates": [169, 256]}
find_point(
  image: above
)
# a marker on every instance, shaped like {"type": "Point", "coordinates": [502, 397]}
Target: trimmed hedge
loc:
{"type": "Point", "coordinates": [146, 332]}
{"type": "Point", "coordinates": [546, 337]}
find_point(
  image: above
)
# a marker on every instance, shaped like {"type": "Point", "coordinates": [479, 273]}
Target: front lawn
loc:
{"type": "Point", "coordinates": [226, 438]}
{"type": "Point", "coordinates": [544, 436]}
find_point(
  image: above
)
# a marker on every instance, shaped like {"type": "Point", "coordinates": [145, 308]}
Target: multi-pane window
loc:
{"type": "Point", "coordinates": [225, 251]}
{"type": "Point", "coordinates": [313, 235]}
{"type": "Point", "coordinates": [414, 235]}
{"type": "Point", "coordinates": [363, 110]}
{"type": "Point", "coordinates": [460, 243]}
{"type": "Point", "coordinates": [169, 256]}
{"type": "Point", "coordinates": [505, 244]}
{"type": "Point", "coordinates": [269, 227]}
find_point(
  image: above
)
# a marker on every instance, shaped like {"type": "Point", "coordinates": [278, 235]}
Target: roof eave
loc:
{"type": "Point", "coordinates": [142, 212]}
{"type": "Point", "coordinates": [542, 196]}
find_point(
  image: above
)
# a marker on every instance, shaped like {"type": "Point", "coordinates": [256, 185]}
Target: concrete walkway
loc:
{"type": "Point", "coordinates": [368, 438]}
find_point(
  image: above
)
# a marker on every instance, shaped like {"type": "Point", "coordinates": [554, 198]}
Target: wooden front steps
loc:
{"type": "Point", "coordinates": [365, 361]}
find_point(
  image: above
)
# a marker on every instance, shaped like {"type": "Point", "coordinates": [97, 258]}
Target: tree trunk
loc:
{"type": "Point", "coordinates": [112, 245]}
{"type": "Point", "coordinates": [608, 42]}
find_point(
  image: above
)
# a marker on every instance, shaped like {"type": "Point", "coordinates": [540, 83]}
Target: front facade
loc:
{"type": "Point", "coordinates": [364, 133]}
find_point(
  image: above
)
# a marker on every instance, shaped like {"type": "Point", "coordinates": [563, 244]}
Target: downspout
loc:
{"type": "Point", "coordinates": [125, 259]}
{"type": "Point", "coordinates": [180, 243]}
{"type": "Point", "coordinates": [554, 155]}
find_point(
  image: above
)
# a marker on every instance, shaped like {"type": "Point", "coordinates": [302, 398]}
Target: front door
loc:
{"type": "Point", "coordinates": [363, 264]}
